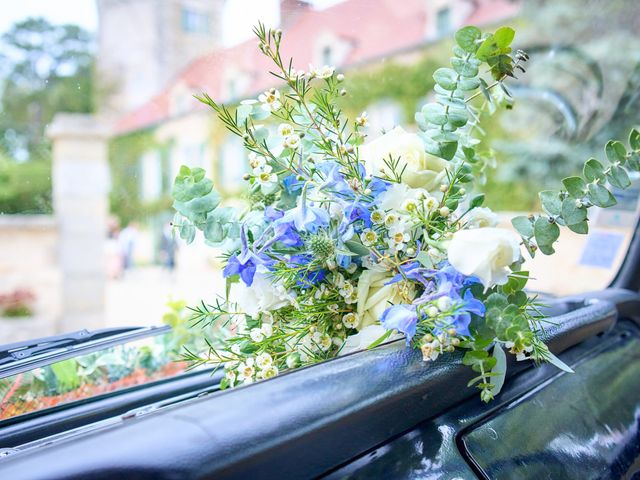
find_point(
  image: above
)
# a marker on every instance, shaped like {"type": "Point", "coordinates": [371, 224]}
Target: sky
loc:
{"type": "Point", "coordinates": [239, 16]}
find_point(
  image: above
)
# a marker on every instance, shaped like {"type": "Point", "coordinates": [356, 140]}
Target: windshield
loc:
{"type": "Point", "coordinates": [97, 114]}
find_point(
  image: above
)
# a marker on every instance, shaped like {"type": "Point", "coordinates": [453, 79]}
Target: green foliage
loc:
{"type": "Point", "coordinates": [569, 207]}
{"type": "Point", "coordinates": [46, 69]}
{"type": "Point", "coordinates": [125, 197]}
{"type": "Point", "coordinates": [441, 121]}
{"type": "Point", "coordinates": [25, 187]}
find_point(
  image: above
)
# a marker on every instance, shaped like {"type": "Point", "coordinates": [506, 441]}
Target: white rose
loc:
{"type": "Point", "coordinates": [262, 295]}
{"type": "Point", "coordinates": [482, 217]}
{"type": "Point", "coordinates": [422, 170]}
{"type": "Point", "coordinates": [374, 297]}
{"type": "Point", "coordinates": [364, 338]}
{"type": "Point", "coordinates": [485, 253]}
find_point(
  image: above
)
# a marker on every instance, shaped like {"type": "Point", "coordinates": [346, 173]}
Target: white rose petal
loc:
{"type": "Point", "coordinates": [262, 295]}
{"type": "Point", "coordinates": [422, 170]}
{"type": "Point", "coordinates": [364, 338]}
{"type": "Point", "coordinates": [482, 217]}
{"type": "Point", "coordinates": [485, 253]}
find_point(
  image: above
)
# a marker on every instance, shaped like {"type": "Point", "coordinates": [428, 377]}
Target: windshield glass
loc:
{"type": "Point", "coordinates": [93, 373]}
{"type": "Point", "coordinates": [97, 114]}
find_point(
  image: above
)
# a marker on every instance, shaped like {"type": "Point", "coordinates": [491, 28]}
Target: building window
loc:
{"type": "Point", "coordinates": [194, 21]}
{"type": "Point", "coordinates": [443, 21]}
{"type": "Point", "coordinates": [232, 163]}
{"type": "Point", "coordinates": [327, 56]}
{"type": "Point", "coordinates": [151, 176]}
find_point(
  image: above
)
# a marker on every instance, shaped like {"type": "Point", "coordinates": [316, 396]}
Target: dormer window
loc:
{"type": "Point", "coordinates": [327, 56]}
{"type": "Point", "coordinates": [194, 21]}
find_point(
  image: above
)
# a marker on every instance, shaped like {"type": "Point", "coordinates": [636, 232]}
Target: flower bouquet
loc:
{"type": "Point", "coordinates": [346, 243]}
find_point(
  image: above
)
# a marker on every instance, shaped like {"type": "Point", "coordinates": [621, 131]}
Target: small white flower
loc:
{"type": "Point", "coordinates": [377, 217]}
{"type": "Point", "coordinates": [267, 329]}
{"type": "Point", "coordinates": [230, 375]}
{"type": "Point", "coordinates": [322, 340]}
{"type": "Point", "coordinates": [256, 161]}
{"type": "Point", "coordinates": [482, 217]}
{"type": "Point", "coordinates": [391, 219]}
{"type": "Point", "coordinates": [444, 303]}
{"type": "Point", "coordinates": [350, 320]}
{"type": "Point", "coordinates": [284, 130]}
{"type": "Point", "coordinates": [347, 289]}
{"type": "Point", "coordinates": [264, 360]}
{"type": "Point", "coordinates": [292, 141]}
{"type": "Point", "coordinates": [398, 236]}
{"type": "Point", "coordinates": [410, 205]}
{"type": "Point", "coordinates": [246, 371]}
{"type": "Point", "coordinates": [430, 203]}
{"type": "Point", "coordinates": [235, 348]}
{"type": "Point", "coordinates": [256, 335]}
{"type": "Point", "coordinates": [296, 74]}
{"type": "Point", "coordinates": [362, 120]}
{"type": "Point", "coordinates": [269, 372]}
{"type": "Point", "coordinates": [270, 100]}
{"type": "Point", "coordinates": [351, 299]}
{"type": "Point", "coordinates": [324, 72]}
{"type": "Point", "coordinates": [368, 237]}
{"type": "Point", "coordinates": [266, 179]}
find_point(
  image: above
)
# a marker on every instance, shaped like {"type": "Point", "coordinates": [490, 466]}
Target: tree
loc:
{"type": "Point", "coordinates": [44, 69]}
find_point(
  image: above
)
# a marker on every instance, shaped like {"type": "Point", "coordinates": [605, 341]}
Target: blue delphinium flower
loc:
{"type": "Point", "coordinates": [306, 217]}
{"type": "Point", "coordinates": [245, 263]}
{"type": "Point", "coordinates": [307, 277]}
{"type": "Point", "coordinates": [401, 317]}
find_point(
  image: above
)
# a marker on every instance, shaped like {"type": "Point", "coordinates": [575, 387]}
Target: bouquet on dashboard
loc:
{"type": "Point", "coordinates": [347, 243]}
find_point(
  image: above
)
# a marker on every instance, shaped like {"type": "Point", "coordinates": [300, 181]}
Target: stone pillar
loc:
{"type": "Point", "coordinates": [80, 201]}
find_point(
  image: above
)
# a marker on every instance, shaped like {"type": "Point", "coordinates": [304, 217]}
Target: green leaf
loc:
{"type": "Point", "coordinates": [66, 373]}
{"type": "Point", "coordinates": [192, 208]}
{"type": "Point", "coordinates": [434, 113]}
{"type": "Point", "coordinates": [593, 170]}
{"type": "Point", "coordinates": [457, 117]}
{"type": "Point", "coordinates": [384, 336]}
{"type": "Point", "coordinates": [600, 196]}
{"type": "Point", "coordinates": [504, 36]}
{"type": "Point", "coordinates": [551, 202]}
{"type": "Point", "coordinates": [190, 184]}
{"type": "Point", "coordinates": [424, 259]}
{"type": "Point", "coordinates": [467, 38]}
{"type": "Point", "coordinates": [187, 231]}
{"type": "Point", "coordinates": [576, 186]}
{"type": "Point", "coordinates": [468, 84]}
{"type": "Point", "coordinates": [446, 78]}
{"type": "Point", "coordinates": [546, 233]}
{"type": "Point", "coordinates": [500, 369]}
{"type": "Point", "coordinates": [582, 228]}
{"type": "Point", "coordinates": [523, 226]}
{"type": "Point", "coordinates": [618, 176]}
{"type": "Point", "coordinates": [552, 359]}
{"type": "Point", "coordinates": [357, 248]}
{"type": "Point", "coordinates": [615, 151]}
{"type": "Point", "coordinates": [634, 139]}
{"type": "Point", "coordinates": [484, 87]}
{"type": "Point", "coordinates": [571, 213]}
{"type": "Point", "coordinates": [477, 201]}
{"type": "Point", "coordinates": [466, 67]}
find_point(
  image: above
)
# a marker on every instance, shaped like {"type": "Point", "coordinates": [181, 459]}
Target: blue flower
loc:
{"type": "Point", "coordinates": [307, 277]}
{"type": "Point", "coordinates": [403, 318]}
{"type": "Point", "coordinates": [292, 185]}
{"type": "Point", "coordinates": [246, 263]}
{"type": "Point", "coordinates": [306, 217]}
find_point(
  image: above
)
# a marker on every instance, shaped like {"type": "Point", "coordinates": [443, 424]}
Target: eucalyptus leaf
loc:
{"type": "Point", "coordinates": [500, 369]}
{"type": "Point", "coordinates": [576, 186]}
{"type": "Point", "coordinates": [593, 170]}
{"type": "Point", "coordinates": [446, 78]}
{"type": "Point", "coordinates": [571, 213]}
{"type": "Point", "coordinates": [634, 139]}
{"type": "Point", "coordinates": [618, 176]}
{"type": "Point", "coordinates": [477, 201]}
{"type": "Point", "coordinates": [434, 113]}
{"type": "Point", "coordinates": [357, 248]}
{"type": "Point", "coordinates": [468, 37]}
{"type": "Point", "coordinates": [615, 151]}
{"type": "Point", "coordinates": [551, 202]}
{"type": "Point", "coordinates": [424, 259]}
{"type": "Point", "coordinates": [523, 226]}
{"type": "Point", "coordinates": [582, 228]}
{"type": "Point", "coordinates": [504, 36]}
{"type": "Point", "coordinates": [546, 233]}
{"type": "Point", "coordinates": [600, 196]}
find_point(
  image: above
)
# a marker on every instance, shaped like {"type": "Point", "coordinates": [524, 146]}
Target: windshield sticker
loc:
{"type": "Point", "coordinates": [601, 249]}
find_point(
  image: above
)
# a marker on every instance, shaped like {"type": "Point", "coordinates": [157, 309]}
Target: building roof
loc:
{"type": "Point", "coordinates": [371, 29]}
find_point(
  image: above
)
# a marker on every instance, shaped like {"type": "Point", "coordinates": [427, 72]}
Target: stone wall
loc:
{"type": "Point", "coordinates": [28, 260]}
